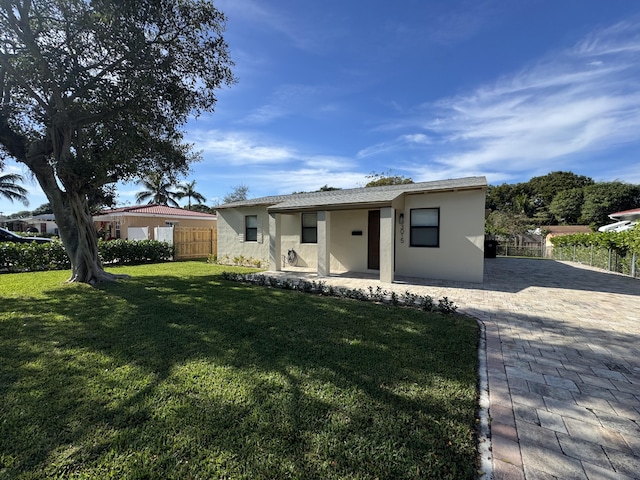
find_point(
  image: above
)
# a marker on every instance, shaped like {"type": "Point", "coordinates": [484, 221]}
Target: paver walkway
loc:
{"type": "Point", "coordinates": [563, 356]}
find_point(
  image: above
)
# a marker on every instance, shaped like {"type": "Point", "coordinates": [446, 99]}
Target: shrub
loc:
{"type": "Point", "coordinates": [129, 252]}
{"type": "Point", "coordinates": [32, 257]}
{"type": "Point", "coordinates": [407, 299]}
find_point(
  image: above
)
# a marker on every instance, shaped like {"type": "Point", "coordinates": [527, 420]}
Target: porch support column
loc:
{"type": "Point", "coordinates": [275, 244]}
{"type": "Point", "coordinates": [324, 250]}
{"type": "Point", "coordinates": [387, 244]}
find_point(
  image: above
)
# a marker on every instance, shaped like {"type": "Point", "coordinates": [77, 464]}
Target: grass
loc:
{"type": "Point", "coordinates": [176, 373]}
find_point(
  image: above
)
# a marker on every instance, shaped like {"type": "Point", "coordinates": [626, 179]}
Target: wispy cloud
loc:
{"type": "Point", "coordinates": [403, 141]}
{"type": "Point", "coordinates": [462, 22]}
{"type": "Point", "coordinates": [565, 107]}
{"type": "Point", "coordinates": [302, 32]}
{"type": "Point", "coordinates": [239, 148]}
{"type": "Point", "coordinates": [294, 99]}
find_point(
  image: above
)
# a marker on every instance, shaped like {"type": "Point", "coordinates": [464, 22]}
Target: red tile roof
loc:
{"type": "Point", "coordinates": [625, 212]}
{"type": "Point", "coordinates": [157, 210]}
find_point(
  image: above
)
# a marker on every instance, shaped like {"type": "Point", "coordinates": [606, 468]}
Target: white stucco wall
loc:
{"type": "Point", "coordinates": [231, 229]}
{"type": "Point", "coordinates": [348, 252]}
{"type": "Point", "coordinates": [460, 256]}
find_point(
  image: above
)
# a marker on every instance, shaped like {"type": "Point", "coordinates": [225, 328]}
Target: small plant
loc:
{"type": "Point", "coordinates": [376, 295]}
{"type": "Point", "coordinates": [407, 299]}
{"type": "Point", "coordinates": [426, 303]}
{"type": "Point", "coordinates": [394, 299]}
{"type": "Point", "coordinates": [446, 306]}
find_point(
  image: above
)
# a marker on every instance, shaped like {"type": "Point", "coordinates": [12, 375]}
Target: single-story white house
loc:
{"type": "Point", "coordinates": [430, 229]}
{"type": "Point", "coordinates": [43, 223]}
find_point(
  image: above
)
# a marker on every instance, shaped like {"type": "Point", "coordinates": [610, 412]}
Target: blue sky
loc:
{"type": "Point", "coordinates": [331, 91]}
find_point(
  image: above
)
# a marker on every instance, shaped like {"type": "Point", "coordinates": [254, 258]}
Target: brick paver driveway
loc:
{"type": "Point", "coordinates": [563, 355]}
{"type": "Point", "coordinates": [563, 346]}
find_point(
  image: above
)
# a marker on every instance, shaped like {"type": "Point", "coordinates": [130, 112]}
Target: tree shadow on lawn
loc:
{"type": "Point", "coordinates": [177, 378]}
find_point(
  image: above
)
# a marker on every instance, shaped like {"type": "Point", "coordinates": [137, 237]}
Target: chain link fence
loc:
{"type": "Point", "coordinates": [607, 259]}
{"type": "Point", "coordinates": [512, 250]}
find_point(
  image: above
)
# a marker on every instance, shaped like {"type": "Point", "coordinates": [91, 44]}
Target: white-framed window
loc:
{"type": "Point", "coordinates": [309, 228]}
{"type": "Point", "coordinates": [167, 223]}
{"type": "Point", "coordinates": [425, 227]}
{"type": "Point", "coordinates": [251, 228]}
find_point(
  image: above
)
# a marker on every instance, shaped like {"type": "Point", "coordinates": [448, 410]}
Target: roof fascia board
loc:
{"type": "Point", "coordinates": [152, 215]}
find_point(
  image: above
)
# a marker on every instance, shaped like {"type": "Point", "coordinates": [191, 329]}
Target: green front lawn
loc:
{"type": "Point", "coordinates": [176, 373]}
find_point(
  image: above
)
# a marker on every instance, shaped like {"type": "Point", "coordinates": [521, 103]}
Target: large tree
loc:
{"type": "Point", "coordinates": [92, 92]}
{"type": "Point", "coordinates": [239, 193]}
{"type": "Point", "coordinates": [388, 178]}
{"type": "Point", "coordinates": [543, 189]}
{"type": "Point", "coordinates": [10, 189]}
{"type": "Point", "coordinates": [604, 198]}
{"type": "Point", "coordinates": [566, 206]}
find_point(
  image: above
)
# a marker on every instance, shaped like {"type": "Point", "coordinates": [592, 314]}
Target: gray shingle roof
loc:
{"type": "Point", "coordinates": [356, 196]}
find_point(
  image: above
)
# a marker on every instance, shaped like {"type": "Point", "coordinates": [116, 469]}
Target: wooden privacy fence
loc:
{"type": "Point", "coordinates": [195, 242]}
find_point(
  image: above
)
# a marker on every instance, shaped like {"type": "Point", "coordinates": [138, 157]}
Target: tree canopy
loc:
{"type": "Point", "coordinates": [380, 179]}
{"type": "Point", "coordinates": [561, 197]}
{"type": "Point", "coordinates": [239, 193]}
{"type": "Point", "coordinates": [96, 92]}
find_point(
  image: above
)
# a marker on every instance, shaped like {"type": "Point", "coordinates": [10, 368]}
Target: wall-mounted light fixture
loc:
{"type": "Point", "coordinates": [401, 219]}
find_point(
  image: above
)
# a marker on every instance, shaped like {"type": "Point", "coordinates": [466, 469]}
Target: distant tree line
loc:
{"type": "Point", "coordinates": [558, 198]}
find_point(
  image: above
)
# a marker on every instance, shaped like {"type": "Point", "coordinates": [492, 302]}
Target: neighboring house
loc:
{"type": "Point", "coordinates": [559, 230]}
{"type": "Point", "coordinates": [140, 221]}
{"type": "Point", "coordinates": [625, 220]}
{"type": "Point", "coordinates": [44, 223]}
{"type": "Point", "coordinates": [431, 230]}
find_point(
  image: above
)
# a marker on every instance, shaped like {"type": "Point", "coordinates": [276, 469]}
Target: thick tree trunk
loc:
{"type": "Point", "coordinates": [75, 224]}
{"type": "Point", "coordinates": [81, 241]}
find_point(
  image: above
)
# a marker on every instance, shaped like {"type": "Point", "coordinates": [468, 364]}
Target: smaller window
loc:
{"type": "Point", "coordinates": [425, 227]}
{"type": "Point", "coordinates": [167, 223]}
{"type": "Point", "coordinates": [309, 228]}
{"type": "Point", "coordinates": [251, 228]}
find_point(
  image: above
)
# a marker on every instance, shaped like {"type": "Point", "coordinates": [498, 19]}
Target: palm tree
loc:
{"type": "Point", "coordinates": [189, 190]}
{"type": "Point", "coordinates": [158, 190]}
{"type": "Point", "coordinates": [11, 190]}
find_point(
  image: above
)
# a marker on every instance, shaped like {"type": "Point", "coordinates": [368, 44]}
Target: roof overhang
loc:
{"type": "Point", "coordinates": [352, 202]}
{"type": "Point", "coordinates": [116, 215]}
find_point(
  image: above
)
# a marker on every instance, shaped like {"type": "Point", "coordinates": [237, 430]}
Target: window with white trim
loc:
{"type": "Point", "coordinates": [309, 228]}
{"type": "Point", "coordinates": [425, 227]}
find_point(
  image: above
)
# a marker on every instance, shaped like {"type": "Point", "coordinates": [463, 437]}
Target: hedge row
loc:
{"type": "Point", "coordinates": [31, 257]}
{"type": "Point", "coordinates": [620, 242]}
{"type": "Point", "coordinates": [379, 295]}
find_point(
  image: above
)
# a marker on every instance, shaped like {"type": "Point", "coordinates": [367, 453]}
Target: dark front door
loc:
{"type": "Point", "coordinates": [373, 259]}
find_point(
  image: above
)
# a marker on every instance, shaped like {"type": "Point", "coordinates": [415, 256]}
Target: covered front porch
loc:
{"type": "Point", "coordinates": [358, 240]}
